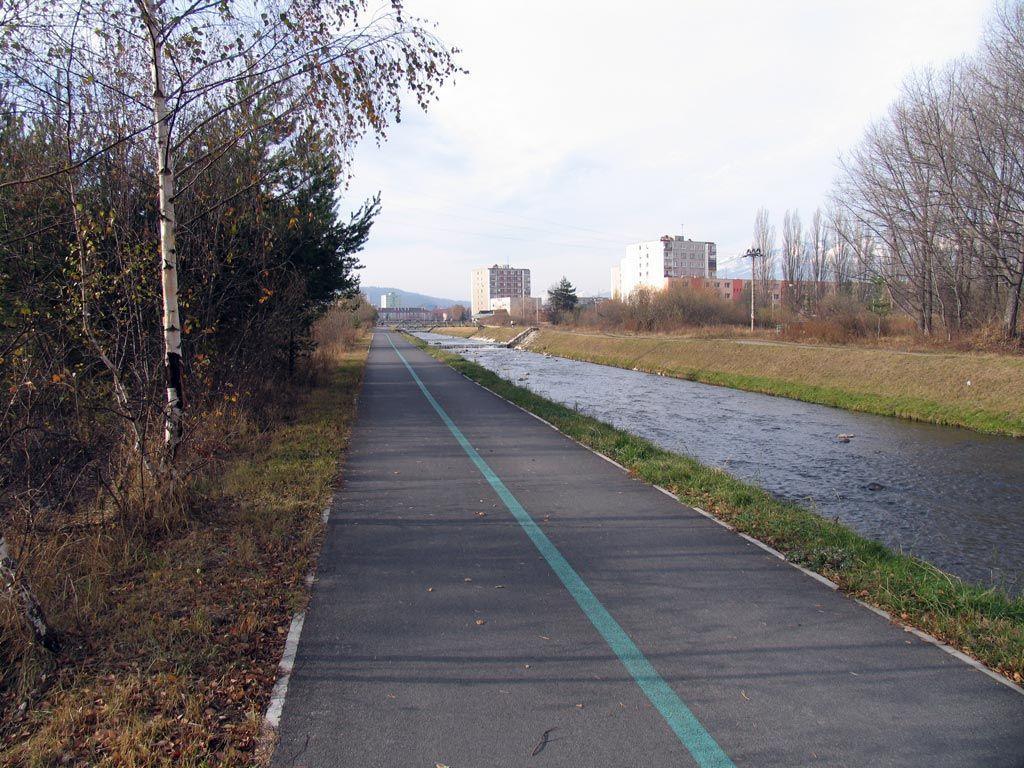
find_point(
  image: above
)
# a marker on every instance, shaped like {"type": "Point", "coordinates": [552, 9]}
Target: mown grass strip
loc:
{"type": "Point", "coordinates": [987, 624]}
{"type": "Point", "coordinates": [903, 407]}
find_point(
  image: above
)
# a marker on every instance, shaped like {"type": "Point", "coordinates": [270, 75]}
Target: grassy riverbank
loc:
{"type": "Point", "coordinates": [173, 641]}
{"type": "Point", "coordinates": [500, 333]}
{"type": "Point", "coordinates": [986, 624]}
{"type": "Point", "coordinates": [984, 392]}
{"type": "Point", "coordinates": [461, 331]}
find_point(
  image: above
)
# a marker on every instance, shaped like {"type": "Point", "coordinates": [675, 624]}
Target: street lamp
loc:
{"type": "Point", "coordinates": [753, 254]}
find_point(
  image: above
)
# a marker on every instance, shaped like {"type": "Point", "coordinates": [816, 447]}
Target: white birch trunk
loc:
{"type": "Point", "coordinates": [168, 253]}
{"type": "Point", "coordinates": [31, 611]}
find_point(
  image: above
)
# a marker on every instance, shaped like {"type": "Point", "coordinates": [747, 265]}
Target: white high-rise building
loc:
{"type": "Point", "coordinates": [390, 300]}
{"type": "Point", "coordinates": [652, 263]}
{"type": "Point", "coordinates": [497, 282]}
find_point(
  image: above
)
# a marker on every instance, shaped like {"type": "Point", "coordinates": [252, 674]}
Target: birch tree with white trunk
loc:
{"type": "Point", "coordinates": [166, 89]}
{"type": "Point", "coordinates": [156, 29]}
{"type": "Point", "coordinates": [343, 67]}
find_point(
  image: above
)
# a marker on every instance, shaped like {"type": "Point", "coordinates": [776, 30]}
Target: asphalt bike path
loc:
{"type": "Point", "coordinates": [490, 593]}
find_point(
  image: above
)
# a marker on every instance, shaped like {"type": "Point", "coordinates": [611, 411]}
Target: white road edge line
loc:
{"type": "Point", "coordinates": [710, 517]}
{"type": "Point", "coordinates": [272, 719]}
{"type": "Point", "coordinates": [972, 662]}
{"type": "Point", "coordinates": [284, 670]}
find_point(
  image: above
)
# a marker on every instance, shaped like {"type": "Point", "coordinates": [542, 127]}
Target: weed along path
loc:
{"type": "Point", "coordinates": [490, 593]}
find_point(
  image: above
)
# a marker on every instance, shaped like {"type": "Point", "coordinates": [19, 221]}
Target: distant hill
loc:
{"type": "Point", "coordinates": [409, 299]}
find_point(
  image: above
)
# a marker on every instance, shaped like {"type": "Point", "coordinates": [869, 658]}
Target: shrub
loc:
{"type": "Point", "coordinates": [338, 330]}
{"type": "Point", "coordinates": [678, 307]}
{"type": "Point", "coordinates": [842, 319]}
{"type": "Point", "coordinates": [681, 306]}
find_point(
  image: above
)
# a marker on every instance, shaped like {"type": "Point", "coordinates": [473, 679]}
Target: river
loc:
{"type": "Point", "coordinates": [950, 496]}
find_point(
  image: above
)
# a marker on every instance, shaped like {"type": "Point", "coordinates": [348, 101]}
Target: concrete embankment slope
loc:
{"type": "Point", "coordinates": [498, 334]}
{"type": "Point", "coordinates": [492, 594]}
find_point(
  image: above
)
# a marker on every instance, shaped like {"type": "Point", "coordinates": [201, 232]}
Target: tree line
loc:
{"type": "Point", "coordinates": [170, 225]}
{"type": "Point", "coordinates": [829, 255]}
{"type": "Point", "coordinates": [930, 203]}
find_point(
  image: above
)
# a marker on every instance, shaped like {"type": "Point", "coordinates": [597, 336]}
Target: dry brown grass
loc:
{"type": "Point", "coordinates": [983, 391]}
{"type": "Point", "coordinates": [340, 330]}
{"type": "Point", "coordinates": [173, 634]}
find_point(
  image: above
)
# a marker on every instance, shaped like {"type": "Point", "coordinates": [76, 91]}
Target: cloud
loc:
{"type": "Point", "coordinates": [582, 126]}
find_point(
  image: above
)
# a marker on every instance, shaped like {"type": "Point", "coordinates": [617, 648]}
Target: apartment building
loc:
{"type": "Point", "coordinates": [649, 264]}
{"type": "Point", "coordinates": [497, 282]}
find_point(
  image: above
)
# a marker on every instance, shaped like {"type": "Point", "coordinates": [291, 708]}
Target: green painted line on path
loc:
{"type": "Point", "coordinates": [694, 736]}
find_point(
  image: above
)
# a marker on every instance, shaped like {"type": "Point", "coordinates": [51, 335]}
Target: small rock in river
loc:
{"type": "Point", "coordinates": [875, 487]}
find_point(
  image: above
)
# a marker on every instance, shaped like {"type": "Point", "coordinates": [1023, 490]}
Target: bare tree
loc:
{"type": "Point", "coordinates": [794, 259]}
{"type": "Point", "coordinates": [841, 254]}
{"type": "Point", "coordinates": [937, 188]}
{"type": "Point", "coordinates": [817, 256]}
{"type": "Point", "coordinates": [764, 241]}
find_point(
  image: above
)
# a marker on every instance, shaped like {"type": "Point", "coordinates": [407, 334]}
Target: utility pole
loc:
{"type": "Point", "coordinates": [522, 295]}
{"type": "Point", "coordinates": [754, 254]}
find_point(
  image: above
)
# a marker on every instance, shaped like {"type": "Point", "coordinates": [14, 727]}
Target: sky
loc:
{"type": "Point", "coordinates": [584, 126]}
